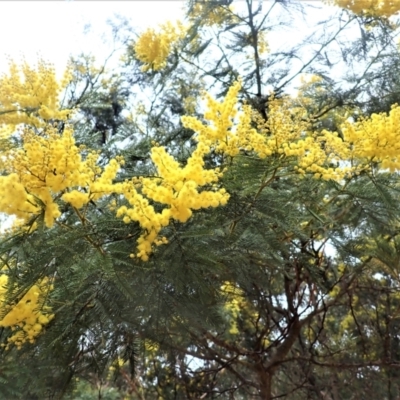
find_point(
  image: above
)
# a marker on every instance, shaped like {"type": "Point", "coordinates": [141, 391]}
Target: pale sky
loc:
{"type": "Point", "coordinates": [54, 29]}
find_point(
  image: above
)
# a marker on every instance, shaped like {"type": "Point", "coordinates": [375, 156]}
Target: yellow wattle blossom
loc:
{"type": "Point", "coordinates": [376, 139]}
{"type": "Point", "coordinates": [284, 134]}
{"type": "Point", "coordinates": [30, 96]}
{"type": "Point", "coordinates": [153, 47]}
{"type": "Point", "coordinates": [223, 133]}
{"type": "Point", "coordinates": [262, 43]}
{"type": "Point", "coordinates": [50, 167]}
{"type": "Point", "coordinates": [233, 304]}
{"type": "Point", "coordinates": [29, 316]}
{"type": "Point", "coordinates": [209, 13]}
{"type": "Point", "coordinates": [384, 8]}
{"type": "Point", "coordinates": [175, 187]}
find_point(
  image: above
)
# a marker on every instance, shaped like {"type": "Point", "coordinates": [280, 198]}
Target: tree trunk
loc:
{"type": "Point", "coordinates": [265, 381]}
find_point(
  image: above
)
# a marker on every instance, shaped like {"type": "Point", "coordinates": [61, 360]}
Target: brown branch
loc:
{"type": "Point", "coordinates": [347, 365]}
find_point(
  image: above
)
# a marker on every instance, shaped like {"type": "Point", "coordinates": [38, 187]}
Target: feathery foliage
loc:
{"type": "Point", "coordinates": [218, 218]}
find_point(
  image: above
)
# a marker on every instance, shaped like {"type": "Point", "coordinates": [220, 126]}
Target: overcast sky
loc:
{"type": "Point", "coordinates": [54, 29]}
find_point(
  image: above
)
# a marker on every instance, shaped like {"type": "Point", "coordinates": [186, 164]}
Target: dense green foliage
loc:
{"type": "Point", "coordinates": [291, 290]}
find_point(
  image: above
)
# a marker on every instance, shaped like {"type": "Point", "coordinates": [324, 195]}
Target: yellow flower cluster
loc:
{"type": "Point", "coordinates": [237, 308]}
{"type": "Point", "coordinates": [384, 8]}
{"type": "Point", "coordinates": [14, 199]}
{"type": "Point", "coordinates": [263, 46]}
{"type": "Point", "coordinates": [208, 13]}
{"type": "Point", "coordinates": [29, 316]}
{"type": "Point", "coordinates": [376, 139]}
{"type": "Point", "coordinates": [221, 132]}
{"type": "Point", "coordinates": [153, 47]}
{"type": "Point", "coordinates": [284, 134]}
{"type": "Point", "coordinates": [30, 96]}
{"type": "Point", "coordinates": [233, 305]}
{"type": "Point", "coordinates": [49, 167]}
{"type": "Point", "coordinates": [326, 155]}
{"type": "Point", "coordinates": [175, 187]}
{"type": "Point", "coordinates": [287, 134]}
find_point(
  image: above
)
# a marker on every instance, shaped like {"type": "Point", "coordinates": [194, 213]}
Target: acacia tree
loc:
{"type": "Point", "coordinates": [241, 247]}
